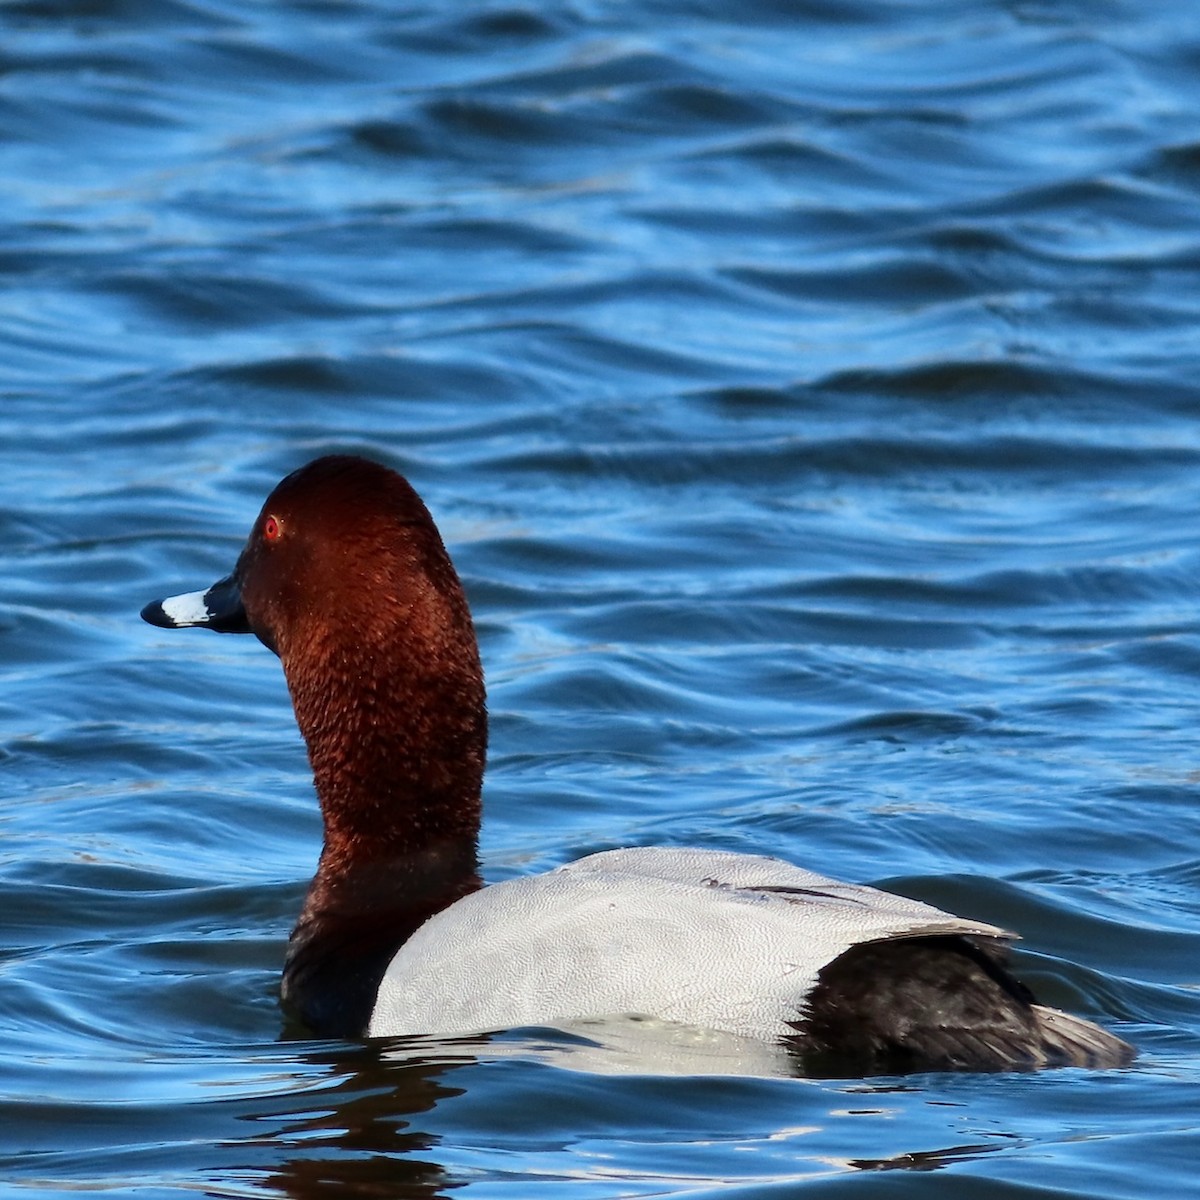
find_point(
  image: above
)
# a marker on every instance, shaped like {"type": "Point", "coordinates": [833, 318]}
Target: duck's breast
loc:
{"type": "Point", "coordinates": [727, 941]}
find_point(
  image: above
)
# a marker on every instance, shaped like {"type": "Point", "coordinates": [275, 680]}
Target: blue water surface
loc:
{"type": "Point", "coordinates": [808, 395]}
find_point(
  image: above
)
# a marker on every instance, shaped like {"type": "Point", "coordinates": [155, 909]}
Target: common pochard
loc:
{"type": "Point", "coordinates": [346, 579]}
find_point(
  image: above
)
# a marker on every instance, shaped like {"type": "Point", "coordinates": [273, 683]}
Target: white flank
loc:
{"type": "Point", "coordinates": [729, 942]}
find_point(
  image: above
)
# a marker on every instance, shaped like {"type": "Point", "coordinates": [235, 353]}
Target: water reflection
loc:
{"type": "Point", "coordinates": [374, 1119]}
{"type": "Point", "coordinates": [923, 1160]}
{"type": "Point", "coordinates": [359, 1133]}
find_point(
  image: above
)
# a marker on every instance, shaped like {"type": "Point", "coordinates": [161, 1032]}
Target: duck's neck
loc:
{"type": "Point", "coordinates": [353, 922]}
{"type": "Point", "coordinates": [397, 758]}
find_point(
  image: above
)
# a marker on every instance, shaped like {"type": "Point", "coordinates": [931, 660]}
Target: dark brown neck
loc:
{"type": "Point", "coordinates": [397, 758]}
{"type": "Point", "coordinates": [384, 798]}
{"type": "Point", "coordinates": [353, 922]}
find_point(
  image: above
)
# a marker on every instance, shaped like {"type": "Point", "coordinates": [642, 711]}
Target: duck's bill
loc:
{"type": "Point", "coordinates": [219, 608]}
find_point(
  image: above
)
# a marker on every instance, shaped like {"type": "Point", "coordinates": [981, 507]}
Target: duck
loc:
{"type": "Point", "coordinates": [345, 577]}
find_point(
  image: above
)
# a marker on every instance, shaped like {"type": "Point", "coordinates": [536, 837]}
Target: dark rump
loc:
{"type": "Point", "coordinates": [937, 1004]}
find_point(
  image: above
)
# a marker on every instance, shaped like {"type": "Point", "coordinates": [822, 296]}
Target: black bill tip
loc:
{"type": "Point", "coordinates": [219, 608]}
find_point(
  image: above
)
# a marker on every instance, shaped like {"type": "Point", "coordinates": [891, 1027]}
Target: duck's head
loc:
{"type": "Point", "coordinates": [345, 577]}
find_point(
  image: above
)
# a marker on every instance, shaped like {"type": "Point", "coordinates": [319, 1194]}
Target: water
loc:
{"type": "Point", "coordinates": [807, 393]}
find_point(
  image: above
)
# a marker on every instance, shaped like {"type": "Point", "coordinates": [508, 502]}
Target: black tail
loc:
{"type": "Point", "coordinates": [1069, 1041]}
{"type": "Point", "coordinates": [937, 1004]}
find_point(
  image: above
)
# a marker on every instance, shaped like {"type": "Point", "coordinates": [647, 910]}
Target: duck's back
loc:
{"type": "Point", "coordinates": [727, 941]}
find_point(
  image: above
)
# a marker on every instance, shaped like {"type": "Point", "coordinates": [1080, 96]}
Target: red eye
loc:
{"type": "Point", "coordinates": [272, 529]}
